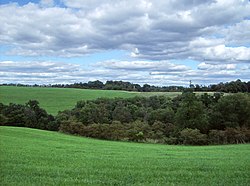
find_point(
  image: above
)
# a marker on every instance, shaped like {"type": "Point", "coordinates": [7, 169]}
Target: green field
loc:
{"type": "Point", "coordinates": [36, 157]}
{"type": "Point", "coordinates": [59, 99]}
{"type": "Point", "coordinates": [55, 99]}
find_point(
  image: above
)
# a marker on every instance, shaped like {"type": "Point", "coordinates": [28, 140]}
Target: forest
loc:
{"type": "Point", "coordinates": [187, 119]}
{"type": "Point", "coordinates": [228, 87]}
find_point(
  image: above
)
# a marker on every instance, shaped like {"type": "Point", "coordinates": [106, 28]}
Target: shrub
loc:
{"type": "Point", "coordinates": [193, 137]}
{"type": "Point", "coordinates": [72, 127]}
{"type": "Point", "coordinates": [172, 140]}
{"type": "Point", "coordinates": [217, 137]}
{"type": "Point", "coordinates": [235, 135]}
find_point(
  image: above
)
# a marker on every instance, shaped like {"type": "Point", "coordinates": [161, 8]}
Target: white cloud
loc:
{"type": "Point", "coordinates": [47, 3]}
{"type": "Point", "coordinates": [37, 67]}
{"type": "Point", "coordinates": [207, 66]}
{"type": "Point", "coordinates": [143, 66]}
{"type": "Point", "coordinates": [156, 73]}
{"type": "Point", "coordinates": [135, 53]}
{"type": "Point", "coordinates": [226, 54]}
{"type": "Point", "coordinates": [238, 34]}
{"type": "Point", "coordinates": [159, 30]}
{"type": "Point", "coordinates": [214, 50]}
{"type": "Point", "coordinates": [212, 32]}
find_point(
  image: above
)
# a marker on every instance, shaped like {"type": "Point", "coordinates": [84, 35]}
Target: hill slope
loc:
{"type": "Point", "coordinates": [35, 157]}
{"type": "Point", "coordinates": [59, 99]}
{"type": "Point", "coordinates": [55, 99]}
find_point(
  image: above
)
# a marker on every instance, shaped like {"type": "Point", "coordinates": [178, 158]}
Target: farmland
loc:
{"type": "Point", "coordinates": [54, 99]}
{"type": "Point", "coordinates": [59, 99]}
{"type": "Point", "coordinates": [36, 157]}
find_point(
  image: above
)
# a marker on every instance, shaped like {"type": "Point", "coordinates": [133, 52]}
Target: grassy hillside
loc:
{"type": "Point", "coordinates": [35, 157]}
{"type": "Point", "coordinates": [59, 99]}
{"type": "Point", "coordinates": [54, 99]}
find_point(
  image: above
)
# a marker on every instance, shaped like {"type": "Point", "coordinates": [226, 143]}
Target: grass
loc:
{"type": "Point", "coordinates": [59, 99]}
{"type": "Point", "coordinates": [55, 99]}
{"type": "Point", "coordinates": [36, 157]}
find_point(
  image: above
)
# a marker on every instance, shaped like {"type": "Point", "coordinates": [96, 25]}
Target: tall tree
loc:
{"type": "Point", "coordinates": [191, 113]}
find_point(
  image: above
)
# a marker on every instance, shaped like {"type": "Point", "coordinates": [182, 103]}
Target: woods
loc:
{"type": "Point", "coordinates": [228, 87]}
{"type": "Point", "coordinates": [185, 119]}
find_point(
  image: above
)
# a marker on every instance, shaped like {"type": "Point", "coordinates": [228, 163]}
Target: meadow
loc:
{"type": "Point", "coordinates": [59, 99]}
{"type": "Point", "coordinates": [36, 157]}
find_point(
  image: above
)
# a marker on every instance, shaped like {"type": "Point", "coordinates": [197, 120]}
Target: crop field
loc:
{"type": "Point", "coordinates": [36, 157]}
{"type": "Point", "coordinates": [59, 99]}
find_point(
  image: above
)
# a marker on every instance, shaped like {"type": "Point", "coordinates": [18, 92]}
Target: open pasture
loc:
{"type": "Point", "coordinates": [55, 99]}
{"type": "Point", "coordinates": [59, 99]}
{"type": "Point", "coordinates": [36, 157]}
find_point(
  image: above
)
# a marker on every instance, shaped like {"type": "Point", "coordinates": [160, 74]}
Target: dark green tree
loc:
{"type": "Point", "coordinates": [231, 111]}
{"type": "Point", "coordinates": [191, 113]}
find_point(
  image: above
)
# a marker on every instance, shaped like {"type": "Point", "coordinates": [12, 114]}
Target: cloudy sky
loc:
{"type": "Point", "coordinates": [161, 42]}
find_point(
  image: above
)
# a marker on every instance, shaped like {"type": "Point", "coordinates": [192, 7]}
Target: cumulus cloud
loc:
{"type": "Point", "coordinates": [213, 32]}
{"type": "Point", "coordinates": [156, 73]}
{"type": "Point", "coordinates": [37, 72]}
{"type": "Point", "coordinates": [223, 53]}
{"type": "Point", "coordinates": [47, 3]}
{"type": "Point", "coordinates": [151, 30]}
{"type": "Point", "coordinates": [143, 66]}
{"type": "Point", "coordinates": [47, 72]}
{"type": "Point", "coordinates": [238, 34]}
{"type": "Point", "coordinates": [37, 66]}
{"type": "Point", "coordinates": [207, 66]}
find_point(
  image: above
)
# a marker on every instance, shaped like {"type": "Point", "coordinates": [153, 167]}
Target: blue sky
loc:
{"type": "Point", "coordinates": [161, 43]}
{"type": "Point", "coordinates": [24, 2]}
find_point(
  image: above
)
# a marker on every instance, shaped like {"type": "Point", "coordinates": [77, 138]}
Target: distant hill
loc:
{"type": "Point", "coordinates": [59, 99]}
{"type": "Point", "coordinates": [55, 99]}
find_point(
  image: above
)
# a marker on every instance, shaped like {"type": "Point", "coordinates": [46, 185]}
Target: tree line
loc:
{"type": "Point", "coordinates": [186, 119]}
{"type": "Point", "coordinates": [228, 87]}
{"type": "Point", "coordinates": [28, 115]}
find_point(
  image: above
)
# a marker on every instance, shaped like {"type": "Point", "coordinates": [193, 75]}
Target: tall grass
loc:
{"type": "Point", "coordinates": [35, 157]}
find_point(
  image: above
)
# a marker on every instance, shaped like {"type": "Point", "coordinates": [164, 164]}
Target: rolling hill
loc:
{"type": "Point", "coordinates": [59, 99]}
{"type": "Point", "coordinates": [36, 157]}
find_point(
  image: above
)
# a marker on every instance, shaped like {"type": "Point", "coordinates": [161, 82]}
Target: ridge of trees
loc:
{"type": "Point", "coordinates": [185, 119]}
{"type": "Point", "coordinates": [228, 87]}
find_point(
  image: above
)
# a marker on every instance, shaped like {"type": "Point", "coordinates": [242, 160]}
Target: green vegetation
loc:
{"type": "Point", "coordinates": [186, 119]}
{"type": "Point", "coordinates": [228, 87]}
{"type": "Point", "coordinates": [59, 99]}
{"type": "Point", "coordinates": [55, 99]}
{"type": "Point", "coordinates": [36, 157]}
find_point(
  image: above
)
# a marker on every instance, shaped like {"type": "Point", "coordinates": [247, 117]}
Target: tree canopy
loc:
{"type": "Point", "coordinates": [186, 119]}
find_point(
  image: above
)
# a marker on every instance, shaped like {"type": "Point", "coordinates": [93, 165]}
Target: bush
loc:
{"type": "Point", "coordinates": [193, 137]}
{"type": "Point", "coordinates": [172, 140]}
{"type": "Point", "coordinates": [72, 127]}
{"type": "Point", "coordinates": [229, 136]}
{"type": "Point", "coordinates": [217, 137]}
{"type": "Point", "coordinates": [235, 135]}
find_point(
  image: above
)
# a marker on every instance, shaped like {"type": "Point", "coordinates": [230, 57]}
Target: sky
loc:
{"type": "Point", "coordinates": [163, 42]}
